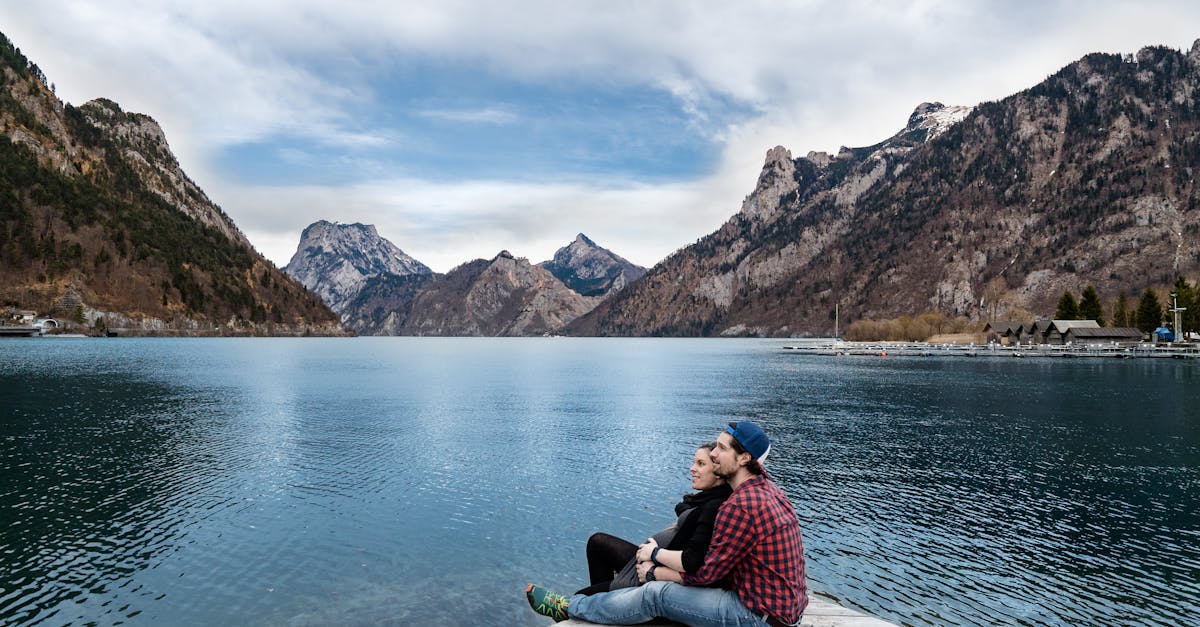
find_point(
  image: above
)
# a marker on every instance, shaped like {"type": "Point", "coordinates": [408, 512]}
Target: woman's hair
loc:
{"type": "Point", "coordinates": [754, 466]}
{"type": "Point", "coordinates": [711, 446]}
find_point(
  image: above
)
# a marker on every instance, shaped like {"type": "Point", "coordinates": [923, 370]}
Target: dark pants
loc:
{"type": "Point", "coordinates": [606, 556]}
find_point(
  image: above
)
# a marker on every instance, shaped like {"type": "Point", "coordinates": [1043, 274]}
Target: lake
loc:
{"type": "Point", "coordinates": [369, 481]}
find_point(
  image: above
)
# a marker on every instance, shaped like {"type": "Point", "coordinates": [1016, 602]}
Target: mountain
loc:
{"type": "Point", "coordinates": [337, 260]}
{"type": "Point", "coordinates": [100, 227]}
{"type": "Point", "coordinates": [1087, 177]}
{"type": "Point", "coordinates": [506, 296]}
{"type": "Point", "coordinates": [591, 270]}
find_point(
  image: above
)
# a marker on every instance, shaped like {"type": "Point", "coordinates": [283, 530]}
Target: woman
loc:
{"type": "Point", "coordinates": [612, 562]}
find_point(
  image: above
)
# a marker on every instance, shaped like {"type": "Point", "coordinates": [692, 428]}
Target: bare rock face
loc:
{"type": "Point", "coordinates": [506, 296]}
{"type": "Point", "coordinates": [1085, 178]}
{"type": "Point", "coordinates": [591, 270]}
{"type": "Point", "coordinates": [337, 260]}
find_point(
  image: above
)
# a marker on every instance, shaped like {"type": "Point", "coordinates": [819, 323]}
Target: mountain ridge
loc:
{"type": "Point", "coordinates": [1063, 184]}
{"type": "Point", "coordinates": [104, 229]}
{"type": "Point", "coordinates": [503, 296]}
{"type": "Point", "coordinates": [355, 271]}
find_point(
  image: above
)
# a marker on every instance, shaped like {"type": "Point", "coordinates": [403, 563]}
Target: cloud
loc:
{"type": "Point", "coordinates": [489, 115]}
{"type": "Point", "coordinates": [315, 83]}
{"type": "Point", "coordinates": [444, 225]}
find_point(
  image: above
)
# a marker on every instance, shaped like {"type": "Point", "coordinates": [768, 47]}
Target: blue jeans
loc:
{"type": "Point", "coordinates": [666, 599]}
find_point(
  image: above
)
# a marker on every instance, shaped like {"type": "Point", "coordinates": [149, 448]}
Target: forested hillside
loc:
{"type": "Point", "coordinates": [100, 226]}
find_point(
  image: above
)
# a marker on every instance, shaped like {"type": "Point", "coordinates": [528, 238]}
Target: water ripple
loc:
{"type": "Point", "coordinates": [351, 482]}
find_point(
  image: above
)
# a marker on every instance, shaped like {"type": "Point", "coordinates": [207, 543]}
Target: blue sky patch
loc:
{"type": "Point", "coordinates": [448, 123]}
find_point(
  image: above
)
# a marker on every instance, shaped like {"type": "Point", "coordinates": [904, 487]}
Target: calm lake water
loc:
{"type": "Point", "coordinates": [425, 481]}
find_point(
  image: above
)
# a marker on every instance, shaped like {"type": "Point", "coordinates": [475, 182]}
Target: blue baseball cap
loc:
{"type": "Point", "coordinates": [751, 437]}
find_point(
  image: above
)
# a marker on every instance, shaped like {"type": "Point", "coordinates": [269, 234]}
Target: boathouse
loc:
{"type": "Point", "coordinates": [1101, 335]}
{"type": "Point", "coordinates": [1056, 331]}
{"type": "Point", "coordinates": [1036, 332]}
{"type": "Point", "coordinates": [1005, 332]}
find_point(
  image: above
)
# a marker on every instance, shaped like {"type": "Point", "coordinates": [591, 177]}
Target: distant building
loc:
{"type": "Point", "coordinates": [19, 316]}
{"type": "Point", "coordinates": [1037, 332]}
{"type": "Point", "coordinates": [1056, 331]}
{"type": "Point", "coordinates": [1010, 332]}
{"type": "Point", "coordinates": [1102, 335]}
{"type": "Point", "coordinates": [1004, 332]}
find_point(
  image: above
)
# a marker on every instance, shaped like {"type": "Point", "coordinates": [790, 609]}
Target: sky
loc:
{"type": "Point", "coordinates": [461, 129]}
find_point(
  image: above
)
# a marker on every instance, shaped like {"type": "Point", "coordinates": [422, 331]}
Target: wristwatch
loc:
{"type": "Point", "coordinates": [650, 574]}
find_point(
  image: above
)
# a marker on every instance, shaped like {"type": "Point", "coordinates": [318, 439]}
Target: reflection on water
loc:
{"type": "Point", "coordinates": [420, 481]}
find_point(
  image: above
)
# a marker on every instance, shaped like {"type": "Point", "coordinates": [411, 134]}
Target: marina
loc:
{"type": "Point", "coordinates": [1140, 350]}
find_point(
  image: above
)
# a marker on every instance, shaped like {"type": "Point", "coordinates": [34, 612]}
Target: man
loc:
{"type": "Point", "coordinates": [756, 540]}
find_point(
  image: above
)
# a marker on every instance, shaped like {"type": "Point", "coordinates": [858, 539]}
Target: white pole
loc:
{"type": "Point", "coordinates": [1175, 309]}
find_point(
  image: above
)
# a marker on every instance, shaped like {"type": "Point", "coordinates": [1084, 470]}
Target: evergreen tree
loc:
{"type": "Point", "coordinates": [1149, 312]}
{"type": "Point", "coordinates": [1120, 311]}
{"type": "Point", "coordinates": [1067, 309]}
{"type": "Point", "coordinates": [1186, 297]}
{"type": "Point", "coordinates": [1089, 306]}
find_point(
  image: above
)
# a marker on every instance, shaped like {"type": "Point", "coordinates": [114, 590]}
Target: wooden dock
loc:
{"type": "Point", "coordinates": [821, 612]}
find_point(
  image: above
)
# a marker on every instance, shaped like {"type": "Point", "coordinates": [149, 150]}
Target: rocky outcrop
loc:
{"type": "Point", "coordinates": [337, 260]}
{"type": "Point", "coordinates": [506, 296]}
{"type": "Point", "coordinates": [777, 180]}
{"type": "Point", "coordinates": [590, 269]}
{"type": "Point", "coordinates": [1085, 178]}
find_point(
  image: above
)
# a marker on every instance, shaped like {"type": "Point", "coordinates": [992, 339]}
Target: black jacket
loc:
{"type": "Point", "coordinates": [696, 529]}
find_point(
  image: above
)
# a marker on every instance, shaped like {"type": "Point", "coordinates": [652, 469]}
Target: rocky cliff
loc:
{"type": "Point", "coordinates": [592, 270]}
{"type": "Point", "coordinates": [1087, 177]}
{"type": "Point", "coordinates": [101, 227]}
{"type": "Point", "coordinates": [506, 296]}
{"type": "Point", "coordinates": [337, 260]}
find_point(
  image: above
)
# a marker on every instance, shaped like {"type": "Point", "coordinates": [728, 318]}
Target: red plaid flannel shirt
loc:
{"type": "Point", "coordinates": [756, 536]}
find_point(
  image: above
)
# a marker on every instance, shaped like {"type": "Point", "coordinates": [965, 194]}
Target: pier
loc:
{"type": "Point", "coordinates": [21, 331]}
{"type": "Point", "coordinates": [821, 612]}
{"type": "Point", "coordinates": [1140, 350]}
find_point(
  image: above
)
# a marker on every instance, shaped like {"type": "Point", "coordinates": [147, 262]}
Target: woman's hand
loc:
{"type": "Point", "coordinates": [643, 568]}
{"type": "Point", "coordinates": [645, 550]}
